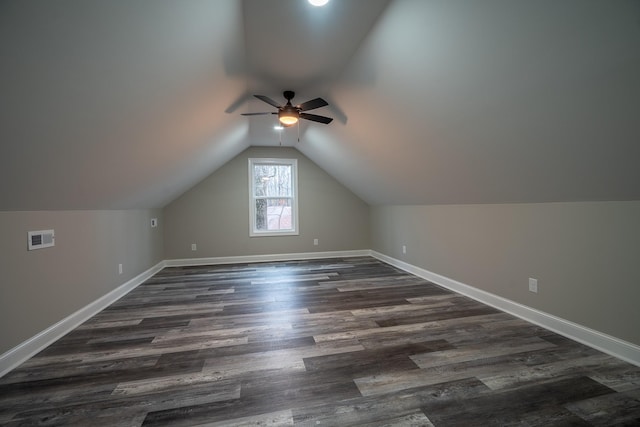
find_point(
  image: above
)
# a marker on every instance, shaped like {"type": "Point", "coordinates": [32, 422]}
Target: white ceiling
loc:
{"type": "Point", "coordinates": [119, 104]}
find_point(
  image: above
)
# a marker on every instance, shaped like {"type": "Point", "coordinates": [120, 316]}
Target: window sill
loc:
{"type": "Point", "coordinates": [273, 233]}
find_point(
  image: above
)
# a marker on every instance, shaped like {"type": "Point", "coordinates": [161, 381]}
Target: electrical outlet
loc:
{"type": "Point", "coordinates": [119, 268]}
{"type": "Point", "coordinates": [194, 247]}
{"type": "Point", "coordinates": [404, 249]}
{"type": "Point", "coordinates": [533, 285]}
{"type": "Point", "coordinates": [315, 242]}
{"type": "Point", "coordinates": [154, 222]}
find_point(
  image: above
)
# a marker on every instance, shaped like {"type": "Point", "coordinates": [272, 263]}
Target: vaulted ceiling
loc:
{"type": "Point", "coordinates": [127, 104]}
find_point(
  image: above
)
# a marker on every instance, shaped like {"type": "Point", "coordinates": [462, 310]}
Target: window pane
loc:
{"type": "Point", "coordinates": [273, 214]}
{"type": "Point", "coordinates": [272, 180]}
{"type": "Point", "coordinates": [273, 197]}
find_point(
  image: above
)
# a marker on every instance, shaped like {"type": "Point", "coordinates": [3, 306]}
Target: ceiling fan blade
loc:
{"type": "Point", "coordinates": [256, 114]}
{"type": "Point", "coordinates": [316, 118]}
{"type": "Point", "coordinates": [268, 100]}
{"type": "Point", "coordinates": [310, 105]}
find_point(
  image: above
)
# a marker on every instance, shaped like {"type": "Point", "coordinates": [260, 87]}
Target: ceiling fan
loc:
{"type": "Point", "coordinates": [289, 114]}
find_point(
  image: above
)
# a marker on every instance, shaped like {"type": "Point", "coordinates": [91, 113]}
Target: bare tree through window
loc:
{"type": "Point", "coordinates": [273, 195]}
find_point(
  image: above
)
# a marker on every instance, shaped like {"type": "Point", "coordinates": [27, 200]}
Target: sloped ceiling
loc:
{"type": "Point", "coordinates": [119, 104]}
{"type": "Point", "coordinates": [490, 101]}
{"type": "Point", "coordinates": [116, 104]}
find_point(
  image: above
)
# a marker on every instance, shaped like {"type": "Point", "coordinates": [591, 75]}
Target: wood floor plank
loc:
{"type": "Point", "coordinates": [278, 418]}
{"type": "Point", "coordinates": [534, 404]}
{"type": "Point", "coordinates": [371, 409]}
{"type": "Point", "coordinates": [313, 342]}
{"type": "Point", "coordinates": [608, 410]}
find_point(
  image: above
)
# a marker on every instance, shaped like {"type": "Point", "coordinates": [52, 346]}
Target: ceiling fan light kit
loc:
{"type": "Point", "coordinates": [288, 116]}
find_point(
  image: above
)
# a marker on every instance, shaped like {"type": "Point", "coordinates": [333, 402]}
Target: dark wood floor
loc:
{"type": "Point", "coordinates": [324, 342]}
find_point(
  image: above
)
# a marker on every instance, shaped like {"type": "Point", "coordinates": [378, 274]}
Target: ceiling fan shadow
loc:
{"type": "Point", "coordinates": [337, 112]}
{"type": "Point", "coordinates": [237, 103]}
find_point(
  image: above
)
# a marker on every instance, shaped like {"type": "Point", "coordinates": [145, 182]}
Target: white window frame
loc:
{"type": "Point", "coordinates": [295, 223]}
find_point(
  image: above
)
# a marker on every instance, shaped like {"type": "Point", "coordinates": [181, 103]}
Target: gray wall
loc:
{"type": "Point", "coordinates": [215, 213]}
{"type": "Point", "coordinates": [41, 287]}
{"type": "Point", "coordinates": [585, 255]}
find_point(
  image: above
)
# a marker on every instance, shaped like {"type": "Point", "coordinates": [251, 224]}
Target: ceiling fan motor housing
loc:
{"type": "Point", "coordinates": [288, 95]}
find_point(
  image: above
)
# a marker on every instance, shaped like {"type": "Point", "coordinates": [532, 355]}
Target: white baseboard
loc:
{"type": "Point", "coordinates": [264, 258]}
{"type": "Point", "coordinates": [606, 343]}
{"type": "Point", "coordinates": [20, 353]}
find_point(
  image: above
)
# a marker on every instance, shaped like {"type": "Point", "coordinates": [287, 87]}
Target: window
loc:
{"type": "Point", "coordinates": [273, 197]}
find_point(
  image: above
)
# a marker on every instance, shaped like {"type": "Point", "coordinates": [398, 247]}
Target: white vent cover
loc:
{"type": "Point", "coordinates": [41, 239]}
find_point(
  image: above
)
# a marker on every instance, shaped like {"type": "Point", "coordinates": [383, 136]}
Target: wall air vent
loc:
{"type": "Point", "coordinates": [41, 239]}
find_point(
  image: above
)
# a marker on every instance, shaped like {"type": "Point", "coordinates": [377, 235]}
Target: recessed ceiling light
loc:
{"type": "Point", "coordinates": [318, 2]}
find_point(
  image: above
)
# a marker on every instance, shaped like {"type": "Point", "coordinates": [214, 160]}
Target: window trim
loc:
{"type": "Point", "coordinates": [295, 221]}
